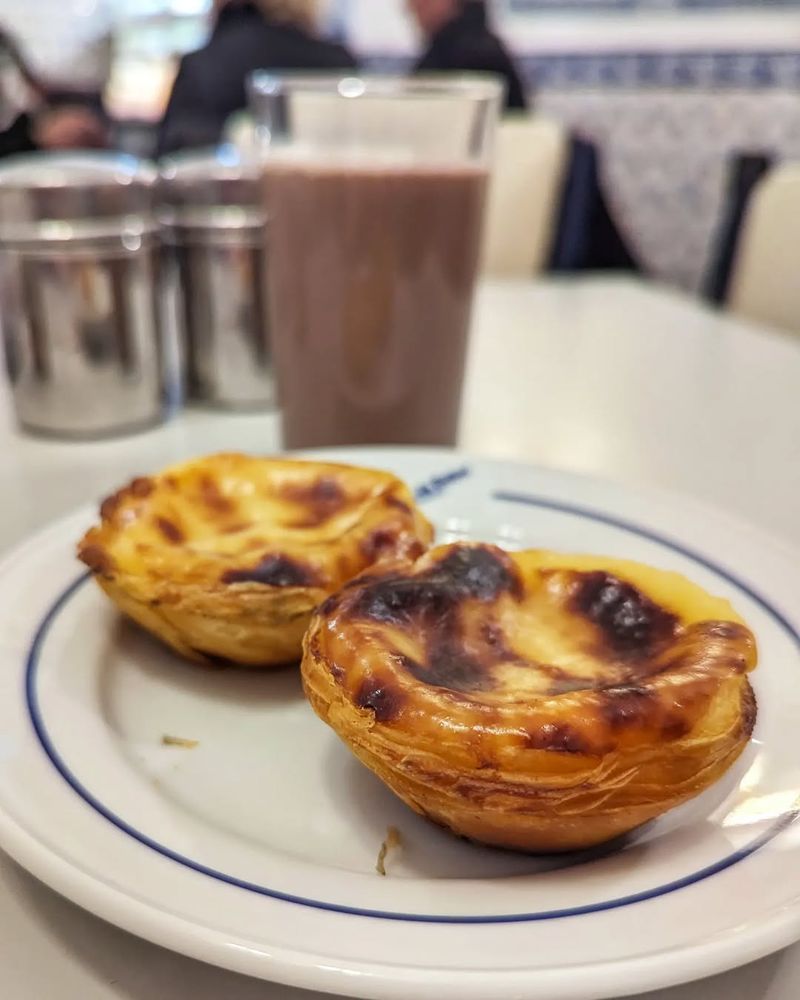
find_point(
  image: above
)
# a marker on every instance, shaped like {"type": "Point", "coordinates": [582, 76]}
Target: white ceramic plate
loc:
{"type": "Point", "coordinates": [256, 850]}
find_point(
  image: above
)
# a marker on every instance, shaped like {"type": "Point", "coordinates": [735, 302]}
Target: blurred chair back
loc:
{"type": "Point", "coordinates": [764, 284]}
{"type": "Point", "coordinates": [524, 196]}
{"type": "Point", "coordinates": [745, 170]}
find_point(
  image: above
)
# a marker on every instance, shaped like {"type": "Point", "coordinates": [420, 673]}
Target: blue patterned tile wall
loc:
{"type": "Point", "coordinates": [600, 6]}
{"type": "Point", "coordinates": [748, 70]}
{"type": "Point", "coordinates": [720, 70]}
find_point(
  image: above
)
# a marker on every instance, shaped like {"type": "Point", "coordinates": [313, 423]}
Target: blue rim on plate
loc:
{"type": "Point", "coordinates": [780, 824]}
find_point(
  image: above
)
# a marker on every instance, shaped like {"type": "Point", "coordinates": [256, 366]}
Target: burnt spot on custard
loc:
{"type": "Point", "coordinates": [273, 571]}
{"type": "Point", "coordinates": [397, 600]}
{"type": "Point", "coordinates": [320, 499]}
{"type": "Point", "coordinates": [378, 543]}
{"type": "Point", "coordinates": [213, 497]}
{"type": "Point", "coordinates": [431, 602]}
{"type": "Point", "coordinates": [384, 699]}
{"type": "Point", "coordinates": [628, 621]}
{"type": "Point", "coordinates": [559, 737]}
{"type": "Point", "coordinates": [169, 530]}
{"type": "Point", "coordinates": [109, 506]}
{"type": "Point", "coordinates": [413, 549]}
{"type": "Point", "coordinates": [139, 489]}
{"type": "Point", "coordinates": [394, 543]}
{"type": "Point", "coordinates": [479, 572]}
{"type": "Point", "coordinates": [97, 559]}
{"type": "Point", "coordinates": [448, 665]}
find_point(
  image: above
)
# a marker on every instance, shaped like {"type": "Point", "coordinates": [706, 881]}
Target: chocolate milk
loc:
{"type": "Point", "coordinates": [371, 276]}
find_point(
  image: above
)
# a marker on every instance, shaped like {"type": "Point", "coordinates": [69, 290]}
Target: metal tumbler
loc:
{"type": "Point", "coordinates": [79, 294]}
{"type": "Point", "coordinates": [212, 218]}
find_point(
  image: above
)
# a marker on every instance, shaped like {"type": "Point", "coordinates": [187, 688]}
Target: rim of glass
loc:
{"type": "Point", "coordinates": [74, 169]}
{"type": "Point", "coordinates": [473, 86]}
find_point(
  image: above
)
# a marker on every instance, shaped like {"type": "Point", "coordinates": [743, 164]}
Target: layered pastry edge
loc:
{"type": "Point", "coordinates": [436, 675]}
{"type": "Point", "coordinates": [224, 557]}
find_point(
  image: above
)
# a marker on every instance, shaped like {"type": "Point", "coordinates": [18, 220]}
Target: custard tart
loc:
{"type": "Point", "coordinates": [224, 558]}
{"type": "Point", "coordinates": [532, 700]}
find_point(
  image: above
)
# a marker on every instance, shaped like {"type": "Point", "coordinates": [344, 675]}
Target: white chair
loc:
{"type": "Point", "coordinates": [524, 196]}
{"type": "Point", "coordinates": [764, 282]}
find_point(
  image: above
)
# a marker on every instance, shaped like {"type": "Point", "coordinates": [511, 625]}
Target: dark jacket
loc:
{"type": "Point", "coordinates": [18, 137]}
{"type": "Point", "coordinates": [466, 44]}
{"type": "Point", "coordinates": [210, 84]}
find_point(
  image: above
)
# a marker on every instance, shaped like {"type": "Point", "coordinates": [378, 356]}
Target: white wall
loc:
{"type": "Point", "coordinates": [378, 26]}
{"type": "Point", "coordinates": [381, 26]}
{"type": "Point", "coordinates": [64, 40]}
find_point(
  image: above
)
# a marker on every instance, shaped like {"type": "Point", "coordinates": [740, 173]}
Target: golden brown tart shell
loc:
{"type": "Point", "coordinates": [532, 700]}
{"type": "Point", "coordinates": [225, 557]}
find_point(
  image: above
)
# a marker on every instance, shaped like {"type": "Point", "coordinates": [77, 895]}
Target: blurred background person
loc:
{"type": "Point", "coordinates": [68, 47]}
{"type": "Point", "coordinates": [459, 38]}
{"type": "Point", "coordinates": [32, 118]}
{"type": "Point", "coordinates": [247, 36]}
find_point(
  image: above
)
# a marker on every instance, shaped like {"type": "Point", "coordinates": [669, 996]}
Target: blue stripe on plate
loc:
{"type": "Point", "coordinates": [781, 823]}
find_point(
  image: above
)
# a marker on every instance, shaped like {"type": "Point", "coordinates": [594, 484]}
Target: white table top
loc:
{"type": "Point", "coordinates": [606, 376]}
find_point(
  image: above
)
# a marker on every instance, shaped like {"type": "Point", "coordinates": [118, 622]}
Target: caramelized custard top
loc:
{"type": "Point", "coordinates": [575, 654]}
{"type": "Point", "coordinates": [236, 521]}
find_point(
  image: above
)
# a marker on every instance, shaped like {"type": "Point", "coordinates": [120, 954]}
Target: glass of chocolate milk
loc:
{"type": "Point", "coordinates": [374, 190]}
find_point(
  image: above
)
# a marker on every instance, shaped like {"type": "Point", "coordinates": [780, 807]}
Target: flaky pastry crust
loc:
{"type": "Point", "coordinates": [225, 557]}
{"type": "Point", "coordinates": [533, 700]}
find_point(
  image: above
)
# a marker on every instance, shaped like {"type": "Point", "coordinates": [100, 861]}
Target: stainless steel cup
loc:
{"type": "Point", "coordinates": [212, 218]}
{"type": "Point", "coordinates": [79, 302]}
